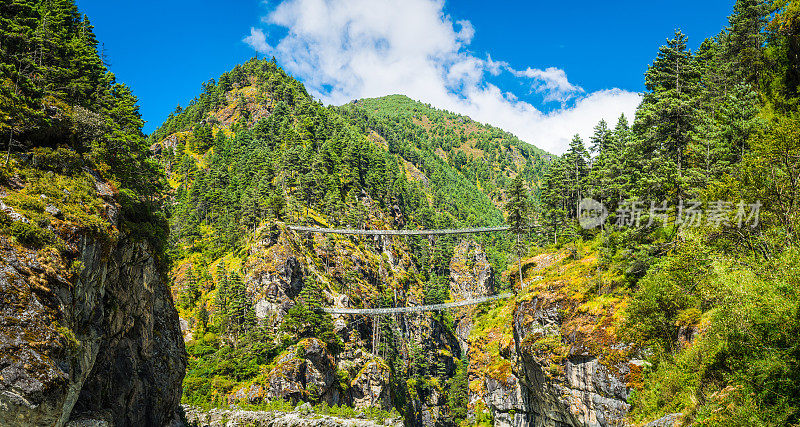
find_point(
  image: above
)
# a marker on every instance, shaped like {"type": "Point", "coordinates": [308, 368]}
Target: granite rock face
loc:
{"type": "Point", "coordinates": [101, 337]}
{"type": "Point", "coordinates": [370, 387]}
{"type": "Point", "coordinates": [304, 369]}
{"type": "Point", "coordinates": [471, 276]}
{"type": "Point", "coordinates": [576, 391]}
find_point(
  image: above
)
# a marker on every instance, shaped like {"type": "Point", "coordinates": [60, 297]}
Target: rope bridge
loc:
{"type": "Point", "coordinates": [398, 232]}
{"type": "Point", "coordinates": [416, 308]}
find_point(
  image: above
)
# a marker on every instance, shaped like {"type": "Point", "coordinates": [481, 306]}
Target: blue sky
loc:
{"type": "Point", "coordinates": [542, 70]}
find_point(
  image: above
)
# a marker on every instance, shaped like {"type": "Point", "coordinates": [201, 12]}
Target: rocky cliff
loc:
{"type": "Point", "coordinates": [550, 356]}
{"type": "Point", "coordinates": [89, 329]}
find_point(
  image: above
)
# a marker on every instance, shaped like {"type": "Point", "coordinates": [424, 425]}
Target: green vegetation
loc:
{"type": "Point", "coordinates": [66, 124]}
{"type": "Point", "coordinates": [254, 152]}
{"type": "Point", "coordinates": [714, 303]}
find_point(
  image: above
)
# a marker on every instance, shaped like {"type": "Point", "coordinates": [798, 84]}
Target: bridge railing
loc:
{"type": "Point", "coordinates": [415, 308]}
{"type": "Point", "coordinates": [397, 232]}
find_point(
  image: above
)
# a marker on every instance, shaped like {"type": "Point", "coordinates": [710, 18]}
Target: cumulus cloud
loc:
{"type": "Point", "coordinates": [552, 81]}
{"type": "Point", "coordinates": [257, 40]}
{"type": "Point", "coordinates": [348, 49]}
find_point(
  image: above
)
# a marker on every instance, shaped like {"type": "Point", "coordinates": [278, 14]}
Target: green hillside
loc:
{"type": "Point", "coordinates": [485, 155]}
{"type": "Point", "coordinates": [128, 260]}
{"type": "Point", "coordinates": [253, 153]}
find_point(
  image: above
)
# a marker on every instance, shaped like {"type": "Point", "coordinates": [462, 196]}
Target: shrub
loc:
{"type": "Point", "coordinates": [5, 219]}
{"type": "Point", "coordinates": [29, 234]}
{"type": "Point", "coordinates": [61, 160]}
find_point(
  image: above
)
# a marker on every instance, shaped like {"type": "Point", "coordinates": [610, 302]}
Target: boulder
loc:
{"type": "Point", "coordinates": [305, 371]}
{"type": "Point", "coordinates": [370, 387]}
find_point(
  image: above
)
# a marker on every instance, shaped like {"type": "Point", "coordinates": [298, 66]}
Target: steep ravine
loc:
{"type": "Point", "coordinates": [546, 360]}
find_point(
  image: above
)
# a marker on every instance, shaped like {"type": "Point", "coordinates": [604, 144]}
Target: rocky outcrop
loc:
{"type": "Point", "coordinates": [471, 276]}
{"type": "Point", "coordinates": [302, 416]}
{"type": "Point", "coordinates": [370, 387]}
{"type": "Point", "coordinates": [89, 329]}
{"type": "Point", "coordinates": [140, 364]}
{"type": "Point", "coordinates": [305, 371]}
{"type": "Point", "coordinates": [550, 356]}
{"type": "Point", "coordinates": [669, 420]}
{"type": "Point", "coordinates": [276, 276]}
{"type": "Point", "coordinates": [547, 382]}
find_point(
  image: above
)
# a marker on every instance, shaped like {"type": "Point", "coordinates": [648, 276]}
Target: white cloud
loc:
{"type": "Point", "coordinates": [347, 49]}
{"type": "Point", "coordinates": [257, 40]}
{"type": "Point", "coordinates": [552, 81]}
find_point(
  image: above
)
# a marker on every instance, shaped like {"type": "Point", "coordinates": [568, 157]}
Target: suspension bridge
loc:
{"type": "Point", "coordinates": [398, 232]}
{"type": "Point", "coordinates": [376, 313]}
{"type": "Point", "coordinates": [416, 308]}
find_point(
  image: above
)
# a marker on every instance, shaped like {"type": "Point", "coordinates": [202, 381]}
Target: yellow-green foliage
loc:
{"type": "Point", "coordinates": [491, 331]}
{"type": "Point", "coordinates": [69, 337]}
{"type": "Point", "coordinates": [740, 369]}
{"type": "Point", "coordinates": [73, 194]}
{"type": "Point", "coordinates": [589, 317]}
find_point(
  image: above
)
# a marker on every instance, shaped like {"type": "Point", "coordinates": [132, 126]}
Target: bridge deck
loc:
{"type": "Point", "coordinates": [416, 308]}
{"type": "Point", "coordinates": [397, 232]}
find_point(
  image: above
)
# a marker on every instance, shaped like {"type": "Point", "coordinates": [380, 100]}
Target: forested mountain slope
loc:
{"type": "Point", "coordinates": [122, 254]}
{"type": "Point", "coordinates": [487, 156]}
{"type": "Point", "coordinates": [254, 153]}
{"type": "Point", "coordinates": [651, 315]}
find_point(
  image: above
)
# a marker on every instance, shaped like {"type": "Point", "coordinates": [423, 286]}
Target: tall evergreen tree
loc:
{"type": "Point", "coordinates": [518, 215]}
{"type": "Point", "coordinates": [577, 159]}
{"type": "Point", "coordinates": [745, 38]}
{"type": "Point", "coordinates": [600, 178]}
{"type": "Point", "coordinates": [240, 309]}
{"type": "Point", "coordinates": [666, 120]}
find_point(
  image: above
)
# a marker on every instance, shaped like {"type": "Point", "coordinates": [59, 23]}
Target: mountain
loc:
{"type": "Point", "coordinates": [141, 272]}
{"type": "Point", "coordinates": [486, 155]}
{"type": "Point", "coordinates": [254, 153]}
{"type": "Point", "coordinates": [649, 318]}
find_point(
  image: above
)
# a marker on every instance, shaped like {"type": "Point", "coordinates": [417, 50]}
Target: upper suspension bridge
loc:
{"type": "Point", "coordinates": [398, 232]}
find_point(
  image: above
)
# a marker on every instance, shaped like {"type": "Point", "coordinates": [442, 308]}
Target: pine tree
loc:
{"type": "Point", "coordinates": [601, 139]}
{"type": "Point", "coordinates": [577, 159]}
{"type": "Point", "coordinates": [744, 41]}
{"type": "Point", "coordinates": [19, 92]}
{"type": "Point", "coordinates": [555, 196]}
{"type": "Point", "coordinates": [600, 178]}
{"type": "Point", "coordinates": [240, 308]}
{"type": "Point", "coordinates": [666, 120]}
{"type": "Point", "coordinates": [203, 317]}
{"type": "Point", "coordinates": [782, 76]}
{"type": "Point", "coordinates": [306, 319]}
{"type": "Point", "coordinates": [192, 292]}
{"type": "Point", "coordinates": [517, 208]}
{"type": "Point", "coordinates": [619, 168]}
{"type": "Point", "coordinates": [222, 297]}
